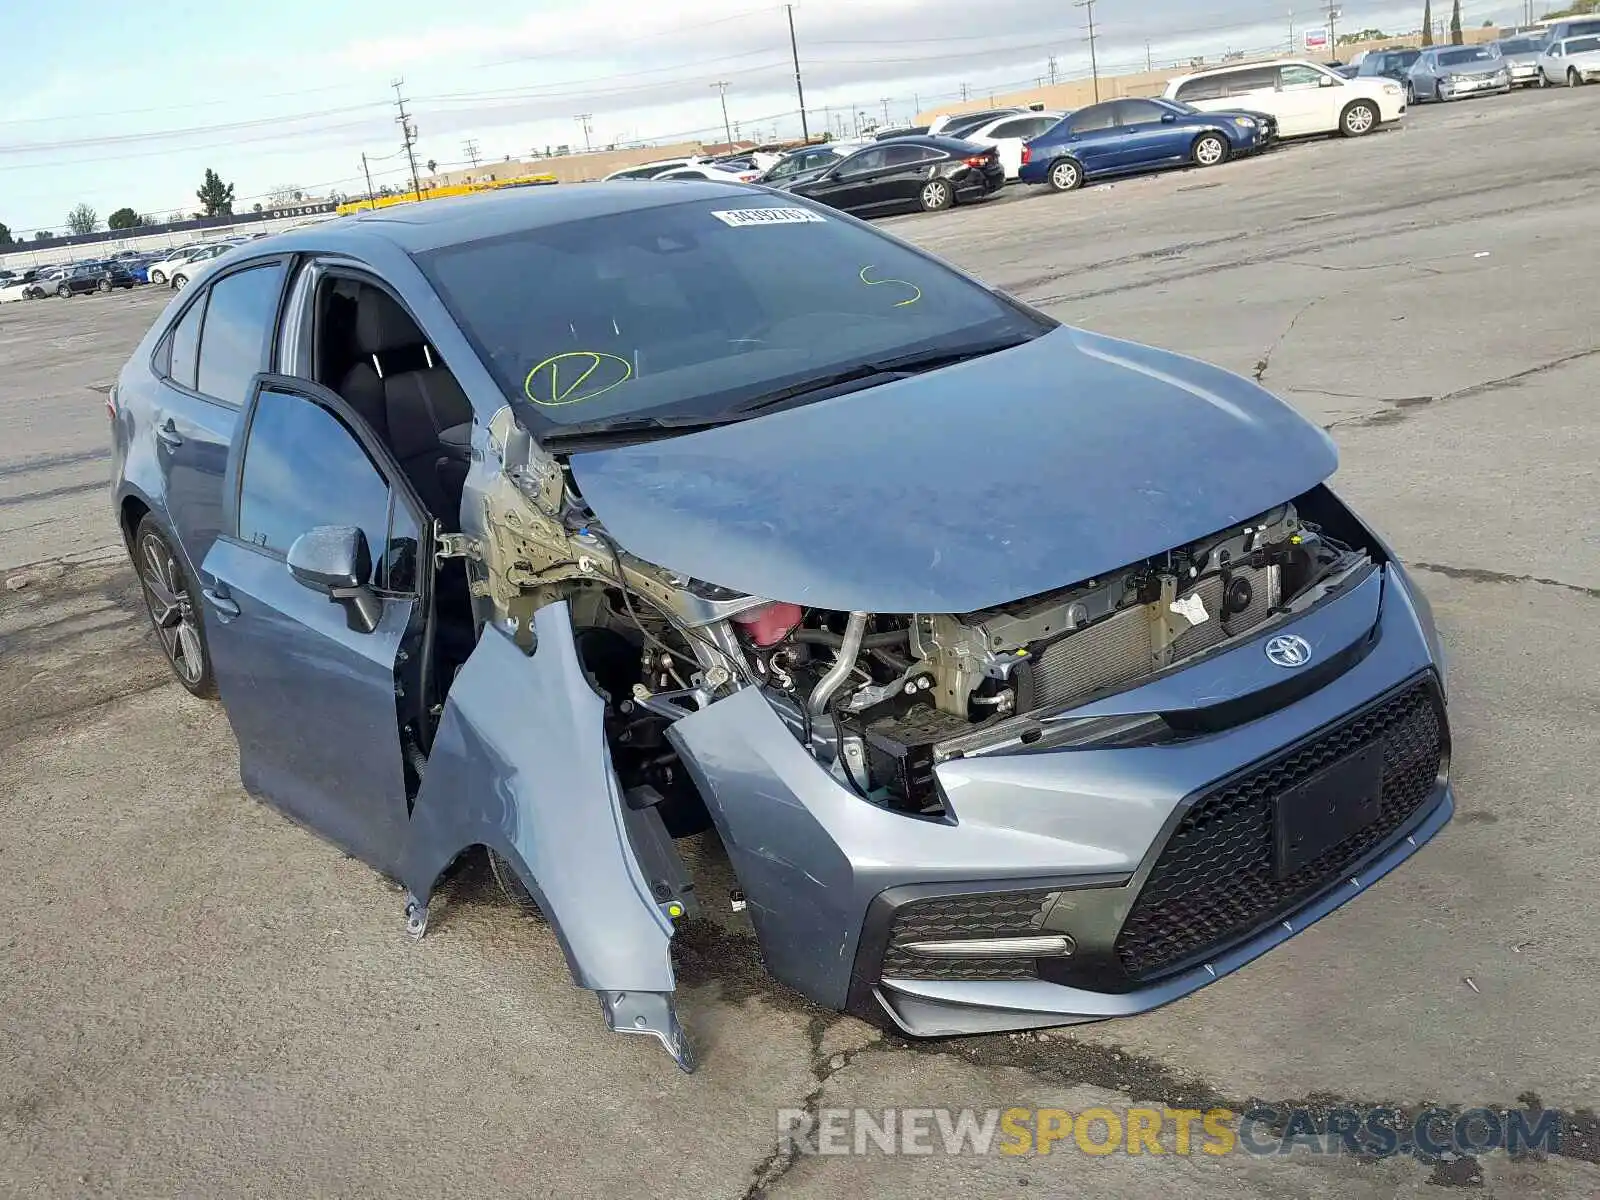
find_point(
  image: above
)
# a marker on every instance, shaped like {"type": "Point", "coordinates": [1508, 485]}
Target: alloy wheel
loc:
{"type": "Point", "coordinates": [172, 609]}
{"type": "Point", "coordinates": [1064, 176]}
{"type": "Point", "coordinates": [1208, 151]}
{"type": "Point", "coordinates": [935, 195]}
{"type": "Point", "coordinates": [1358, 119]}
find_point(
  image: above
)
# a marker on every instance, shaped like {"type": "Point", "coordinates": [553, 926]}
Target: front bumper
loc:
{"type": "Point", "coordinates": [827, 875]}
{"type": "Point", "coordinates": [1476, 87]}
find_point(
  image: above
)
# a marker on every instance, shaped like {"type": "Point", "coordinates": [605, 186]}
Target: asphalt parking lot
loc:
{"type": "Point", "coordinates": [199, 998]}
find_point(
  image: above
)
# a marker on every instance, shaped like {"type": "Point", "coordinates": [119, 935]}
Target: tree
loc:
{"type": "Point", "coordinates": [283, 195]}
{"type": "Point", "coordinates": [216, 197]}
{"type": "Point", "coordinates": [1455, 24]}
{"type": "Point", "coordinates": [256, 207]}
{"type": "Point", "coordinates": [433, 166]}
{"type": "Point", "coordinates": [1487, 25]}
{"type": "Point", "coordinates": [1364, 35]}
{"type": "Point", "coordinates": [1427, 22]}
{"type": "Point", "coordinates": [83, 219]}
{"type": "Point", "coordinates": [125, 218]}
{"type": "Point", "coordinates": [44, 235]}
{"type": "Point", "coordinates": [5, 235]}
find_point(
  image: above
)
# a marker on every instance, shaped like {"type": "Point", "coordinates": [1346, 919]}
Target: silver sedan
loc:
{"type": "Point", "coordinates": [1451, 72]}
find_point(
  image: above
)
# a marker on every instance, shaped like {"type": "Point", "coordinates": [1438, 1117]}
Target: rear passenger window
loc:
{"type": "Point", "coordinates": [185, 345]}
{"type": "Point", "coordinates": [238, 332]}
{"type": "Point", "coordinates": [303, 468]}
{"type": "Point", "coordinates": [1209, 88]}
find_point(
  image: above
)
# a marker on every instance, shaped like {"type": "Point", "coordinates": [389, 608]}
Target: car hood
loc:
{"type": "Point", "coordinates": [966, 487]}
{"type": "Point", "coordinates": [1475, 70]}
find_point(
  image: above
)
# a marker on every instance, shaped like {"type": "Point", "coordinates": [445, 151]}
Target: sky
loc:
{"type": "Point", "coordinates": [114, 104]}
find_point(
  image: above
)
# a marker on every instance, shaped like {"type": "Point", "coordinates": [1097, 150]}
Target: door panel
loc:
{"type": "Point", "coordinates": [312, 696]}
{"type": "Point", "coordinates": [192, 436]}
{"type": "Point", "coordinates": [311, 701]}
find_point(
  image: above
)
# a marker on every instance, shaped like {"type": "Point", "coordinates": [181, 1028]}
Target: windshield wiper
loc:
{"type": "Point", "coordinates": [629, 429]}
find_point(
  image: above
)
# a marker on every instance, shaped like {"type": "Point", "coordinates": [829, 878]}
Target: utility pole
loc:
{"type": "Point", "coordinates": [1149, 63]}
{"type": "Point", "coordinates": [963, 93]}
{"type": "Point", "coordinates": [1291, 31]}
{"type": "Point", "coordinates": [1050, 68]}
{"type": "Point", "coordinates": [470, 148]}
{"type": "Point", "coordinates": [367, 171]}
{"type": "Point", "coordinates": [722, 90]}
{"type": "Point", "coordinates": [1094, 62]}
{"type": "Point", "coordinates": [410, 131]}
{"type": "Point", "coordinates": [885, 102]}
{"type": "Point", "coordinates": [1333, 25]}
{"type": "Point", "coordinates": [799, 91]}
{"type": "Point", "coordinates": [584, 119]}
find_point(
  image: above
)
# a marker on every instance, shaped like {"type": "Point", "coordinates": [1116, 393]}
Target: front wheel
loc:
{"type": "Point", "coordinates": [172, 599]}
{"type": "Point", "coordinates": [158, 276]}
{"type": "Point", "coordinates": [63, 291]}
{"type": "Point", "coordinates": [1411, 95]}
{"type": "Point", "coordinates": [178, 282]}
{"type": "Point", "coordinates": [104, 286]}
{"type": "Point", "coordinates": [1360, 118]}
{"type": "Point", "coordinates": [1066, 176]}
{"type": "Point", "coordinates": [1209, 150]}
{"type": "Point", "coordinates": [1573, 78]}
{"type": "Point", "coordinates": [936, 195]}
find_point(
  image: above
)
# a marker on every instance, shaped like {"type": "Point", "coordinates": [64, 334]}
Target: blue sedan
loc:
{"type": "Point", "coordinates": [1121, 136]}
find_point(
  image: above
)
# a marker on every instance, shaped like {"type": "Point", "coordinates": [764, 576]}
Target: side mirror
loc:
{"type": "Point", "coordinates": [336, 561]}
{"type": "Point", "coordinates": [1327, 81]}
{"type": "Point", "coordinates": [1168, 118]}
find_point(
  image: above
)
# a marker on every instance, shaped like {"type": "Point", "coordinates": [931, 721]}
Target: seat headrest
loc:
{"type": "Point", "coordinates": [382, 325]}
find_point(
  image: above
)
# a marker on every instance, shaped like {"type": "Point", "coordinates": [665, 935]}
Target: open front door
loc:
{"type": "Point", "coordinates": [519, 764]}
{"type": "Point", "coordinates": [310, 595]}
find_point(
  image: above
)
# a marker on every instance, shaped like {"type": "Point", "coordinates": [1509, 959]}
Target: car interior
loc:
{"type": "Point", "coordinates": [367, 348]}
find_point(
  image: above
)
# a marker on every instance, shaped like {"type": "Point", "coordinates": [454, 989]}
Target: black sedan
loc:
{"type": "Point", "coordinates": [925, 172]}
{"type": "Point", "coordinates": [94, 277]}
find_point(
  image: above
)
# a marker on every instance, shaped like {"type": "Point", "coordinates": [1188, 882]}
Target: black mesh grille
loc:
{"type": "Point", "coordinates": [1214, 881]}
{"type": "Point", "coordinates": [952, 918]}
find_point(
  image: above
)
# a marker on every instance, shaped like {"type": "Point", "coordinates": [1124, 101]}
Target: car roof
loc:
{"type": "Point", "coordinates": [1245, 66]}
{"type": "Point", "coordinates": [457, 220]}
{"type": "Point", "coordinates": [936, 141]}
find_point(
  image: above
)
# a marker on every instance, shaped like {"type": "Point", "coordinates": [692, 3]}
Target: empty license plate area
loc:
{"type": "Point", "coordinates": [1317, 814]}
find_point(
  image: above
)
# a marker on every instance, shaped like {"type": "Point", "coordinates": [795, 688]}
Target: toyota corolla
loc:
{"type": "Point", "coordinates": [1028, 676]}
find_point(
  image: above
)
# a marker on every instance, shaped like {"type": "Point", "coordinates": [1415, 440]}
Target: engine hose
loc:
{"type": "Point", "coordinates": [855, 630]}
{"type": "Point", "coordinates": [870, 641]}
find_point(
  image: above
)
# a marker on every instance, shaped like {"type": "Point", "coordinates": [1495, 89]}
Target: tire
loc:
{"type": "Point", "coordinates": [936, 196]}
{"type": "Point", "coordinates": [104, 287]}
{"type": "Point", "coordinates": [1411, 95]}
{"type": "Point", "coordinates": [158, 276]}
{"type": "Point", "coordinates": [172, 599]}
{"type": "Point", "coordinates": [1065, 175]}
{"type": "Point", "coordinates": [1359, 119]}
{"type": "Point", "coordinates": [64, 292]}
{"type": "Point", "coordinates": [1573, 78]}
{"type": "Point", "coordinates": [179, 282]}
{"type": "Point", "coordinates": [1209, 150]}
{"type": "Point", "coordinates": [1542, 80]}
{"type": "Point", "coordinates": [511, 886]}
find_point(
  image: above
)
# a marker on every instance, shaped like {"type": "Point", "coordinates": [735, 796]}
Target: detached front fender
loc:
{"type": "Point", "coordinates": [520, 764]}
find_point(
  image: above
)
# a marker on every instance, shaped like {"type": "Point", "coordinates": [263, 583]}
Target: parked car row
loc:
{"type": "Point", "coordinates": [125, 270]}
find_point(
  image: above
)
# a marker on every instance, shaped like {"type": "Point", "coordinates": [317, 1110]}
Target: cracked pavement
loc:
{"type": "Point", "coordinates": [197, 997]}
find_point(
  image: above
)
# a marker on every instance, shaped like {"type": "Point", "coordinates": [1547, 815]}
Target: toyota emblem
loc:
{"type": "Point", "coordinates": [1289, 650]}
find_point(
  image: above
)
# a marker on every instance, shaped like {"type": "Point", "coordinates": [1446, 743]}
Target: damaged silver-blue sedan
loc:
{"type": "Point", "coordinates": [1028, 676]}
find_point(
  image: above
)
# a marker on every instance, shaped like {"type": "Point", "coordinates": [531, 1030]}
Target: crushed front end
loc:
{"type": "Point", "coordinates": [1083, 804]}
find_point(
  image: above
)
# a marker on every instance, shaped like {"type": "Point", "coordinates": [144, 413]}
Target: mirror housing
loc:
{"type": "Point", "coordinates": [1168, 118]}
{"type": "Point", "coordinates": [336, 561]}
{"type": "Point", "coordinates": [1327, 81]}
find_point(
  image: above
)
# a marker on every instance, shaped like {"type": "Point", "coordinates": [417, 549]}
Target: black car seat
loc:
{"type": "Point", "coordinates": [423, 406]}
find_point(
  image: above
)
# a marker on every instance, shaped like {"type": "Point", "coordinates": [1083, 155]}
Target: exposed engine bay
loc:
{"type": "Point", "coordinates": [878, 698]}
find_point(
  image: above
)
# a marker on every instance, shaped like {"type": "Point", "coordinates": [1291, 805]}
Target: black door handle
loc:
{"type": "Point", "coordinates": [169, 434]}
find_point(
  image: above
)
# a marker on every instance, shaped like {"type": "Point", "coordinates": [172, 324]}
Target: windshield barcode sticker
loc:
{"type": "Point", "coordinates": [740, 218]}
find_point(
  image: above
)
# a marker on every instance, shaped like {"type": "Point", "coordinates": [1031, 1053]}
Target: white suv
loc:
{"type": "Point", "coordinates": [1305, 97]}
